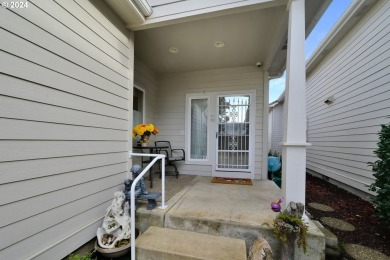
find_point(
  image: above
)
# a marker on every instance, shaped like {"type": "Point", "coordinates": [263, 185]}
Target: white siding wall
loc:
{"type": "Point", "coordinates": [357, 73]}
{"type": "Point", "coordinates": [277, 128]}
{"type": "Point", "coordinates": [170, 108]}
{"type": "Point", "coordinates": [65, 73]}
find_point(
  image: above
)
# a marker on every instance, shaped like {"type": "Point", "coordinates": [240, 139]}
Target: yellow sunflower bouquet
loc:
{"type": "Point", "coordinates": [144, 131]}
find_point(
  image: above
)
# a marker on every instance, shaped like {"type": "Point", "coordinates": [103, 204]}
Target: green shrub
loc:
{"type": "Point", "coordinates": [87, 256]}
{"type": "Point", "coordinates": [381, 169]}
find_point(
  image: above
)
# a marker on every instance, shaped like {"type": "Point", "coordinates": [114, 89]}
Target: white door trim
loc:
{"type": "Point", "coordinates": [249, 174]}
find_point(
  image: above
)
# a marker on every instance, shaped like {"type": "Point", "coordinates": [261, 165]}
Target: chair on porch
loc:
{"type": "Point", "coordinates": [173, 155]}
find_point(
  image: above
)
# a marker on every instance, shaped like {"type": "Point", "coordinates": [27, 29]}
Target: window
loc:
{"type": "Point", "coordinates": [197, 124]}
{"type": "Point", "coordinates": [138, 106]}
{"type": "Point", "coordinates": [138, 109]}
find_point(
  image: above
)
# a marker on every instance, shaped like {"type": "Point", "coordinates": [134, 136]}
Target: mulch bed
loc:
{"type": "Point", "coordinates": [369, 231]}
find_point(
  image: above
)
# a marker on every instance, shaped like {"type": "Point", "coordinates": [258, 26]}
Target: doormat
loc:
{"type": "Point", "coordinates": [232, 181]}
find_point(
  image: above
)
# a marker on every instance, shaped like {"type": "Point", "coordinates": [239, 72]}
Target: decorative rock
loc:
{"type": "Point", "coordinates": [360, 252]}
{"type": "Point", "coordinates": [337, 224]}
{"type": "Point", "coordinates": [296, 209]}
{"type": "Point", "coordinates": [260, 250]}
{"type": "Point", "coordinates": [321, 207]}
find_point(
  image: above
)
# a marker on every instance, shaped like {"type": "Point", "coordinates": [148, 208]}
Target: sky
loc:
{"type": "Point", "coordinates": [328, 19]}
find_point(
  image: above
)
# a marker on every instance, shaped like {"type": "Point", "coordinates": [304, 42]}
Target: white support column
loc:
{"type": "Point", "coordinates": [294, 136]}
{"type": "Point", "coordinates": [264, 168]}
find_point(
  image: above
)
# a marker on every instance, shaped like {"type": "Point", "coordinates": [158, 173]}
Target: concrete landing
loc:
{"type": "Point", "coordinates": [163, 243]}
{"type": "Point", "coordinates": [236, 211]}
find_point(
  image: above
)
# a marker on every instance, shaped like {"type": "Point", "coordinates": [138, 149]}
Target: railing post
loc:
{"type": "Point", "coordinates": [132, 191]}
{"type": "Point", "coordinates": [163, 206]}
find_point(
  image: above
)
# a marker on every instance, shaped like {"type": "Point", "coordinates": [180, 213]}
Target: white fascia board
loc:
{"type": "Point", "coordinates": [192, 10]}
{"type": "Point", "coordinates": [351, 16]}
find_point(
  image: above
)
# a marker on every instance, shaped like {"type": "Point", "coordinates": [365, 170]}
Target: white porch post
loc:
{"type": "Point", "coordinates": [294, 136]}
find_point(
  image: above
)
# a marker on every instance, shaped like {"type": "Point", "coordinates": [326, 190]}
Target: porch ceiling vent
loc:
{"type": "Point", "coordinates": [219, 44]}
{"type": "Point", "coordinates": [143, 6]}
{"type": "Point", "coordinates": [174, 50]}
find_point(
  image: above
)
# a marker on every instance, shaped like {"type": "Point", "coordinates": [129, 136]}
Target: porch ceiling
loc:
{"type": "Point", "coordinates": [250, 35]}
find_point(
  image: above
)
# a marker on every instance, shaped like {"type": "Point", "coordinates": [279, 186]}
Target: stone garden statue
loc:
{"type": "Point", "coordinates": [140, 191]}
{"type": "Point", "coordinates": [116, 223]}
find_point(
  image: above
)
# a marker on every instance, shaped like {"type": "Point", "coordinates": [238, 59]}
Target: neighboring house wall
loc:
{"type": "Point", "coordinates": [270, 121]}
{"type": "Point", "coordinates": [276, 128]}
{"type": "Point", "coordinates": [356, 72]}
{"type": "Point", "coordinates": [171, 106]}
{"type": "Point", "coordinates": [64, 97]}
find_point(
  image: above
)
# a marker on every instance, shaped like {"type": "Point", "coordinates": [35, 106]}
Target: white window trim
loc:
{"type": "Point", "coordinates": [143, 102]}
{"type": "Point", "coordinates": [189, 97]}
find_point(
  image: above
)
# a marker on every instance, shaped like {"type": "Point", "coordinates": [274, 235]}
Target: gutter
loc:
{"type": "Point", "coordinates": [130, 11]}
{"type": "Point", "coordinates": [144, 7]}
{"type": "Point", "coordinates": [347, 21]}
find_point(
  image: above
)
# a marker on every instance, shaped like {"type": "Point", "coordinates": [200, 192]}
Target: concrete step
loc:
{"type": "Point", "coordinates": [163, 243]}
{"type": "Point", "coordinates": [331, 241]}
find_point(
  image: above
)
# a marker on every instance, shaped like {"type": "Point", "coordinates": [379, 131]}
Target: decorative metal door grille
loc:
{"type": "Point", "coordinates": [233, 141]}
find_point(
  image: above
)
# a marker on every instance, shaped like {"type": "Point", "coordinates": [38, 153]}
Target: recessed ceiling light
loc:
{"type": "Point", "coordinates": [219, 44]}
{"type": "Point", "coordinates": [174, 50]}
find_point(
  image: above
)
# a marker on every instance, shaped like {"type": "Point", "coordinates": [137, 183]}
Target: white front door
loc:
{"type": "Point", "coordinates": [233, 136]}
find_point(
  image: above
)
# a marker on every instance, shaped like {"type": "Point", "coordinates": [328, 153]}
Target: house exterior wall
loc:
{"type": "Point", "coordinates": [65, 83]}
{"type": "Point", "coordinates": [356, 72]}
{"type": "Point", "coordinates": [171, 106]}
{"type": "Point", "coordinates": [277, 128]}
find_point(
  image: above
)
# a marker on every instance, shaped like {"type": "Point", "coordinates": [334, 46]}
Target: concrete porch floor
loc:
{"type": "Point", "coordinates": [237, 211]}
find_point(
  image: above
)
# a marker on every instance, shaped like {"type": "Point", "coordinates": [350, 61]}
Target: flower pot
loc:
{"type": "Point", "coordinates": [144, 144]}
{"type": "Point", "coordinates": [115, 252]}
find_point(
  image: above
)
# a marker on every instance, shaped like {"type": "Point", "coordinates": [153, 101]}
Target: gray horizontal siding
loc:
{"type": "Point", "coordinates": [357, 73]}
{"type": "Point", "coordinates": [64, 95]}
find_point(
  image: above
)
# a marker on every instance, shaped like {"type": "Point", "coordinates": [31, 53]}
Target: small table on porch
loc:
{"type": "Point", "coordinates": [152, 149]}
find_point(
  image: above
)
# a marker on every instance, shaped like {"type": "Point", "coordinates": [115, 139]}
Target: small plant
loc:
{"type": "Point", "coordinates": [381, 169]}
{"type": "Point", "coordinates": [288, 226]}
{"type": "Point", "coordinates": [274, 153]}
{"type": "Point", "coordinates": [87, 256]}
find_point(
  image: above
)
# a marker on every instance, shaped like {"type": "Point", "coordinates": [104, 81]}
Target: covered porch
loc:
{"type": "Point", "coordinates": [203, 80]}
{"type": "Point", "coordinates": [201, 75]}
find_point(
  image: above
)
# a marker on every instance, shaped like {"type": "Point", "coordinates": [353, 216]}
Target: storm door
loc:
{"type": "Point", "coordinates": [233, 134]}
